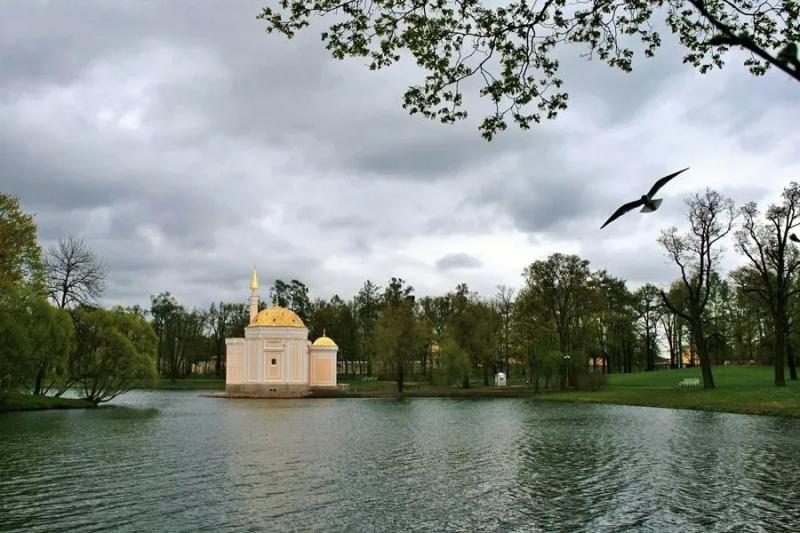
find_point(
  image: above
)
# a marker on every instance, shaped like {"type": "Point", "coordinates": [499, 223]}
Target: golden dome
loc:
{"type": "Point", "coordinates": [277, 317]}
{"type": "Point", "coordinates": [324, 342]}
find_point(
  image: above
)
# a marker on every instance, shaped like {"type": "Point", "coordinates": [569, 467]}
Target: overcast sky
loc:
{"type": "Point", "coordinates": [185, 145]}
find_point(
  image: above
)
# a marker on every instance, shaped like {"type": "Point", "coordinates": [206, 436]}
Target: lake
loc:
{"type": "Point", "coordinates": [174, 461]}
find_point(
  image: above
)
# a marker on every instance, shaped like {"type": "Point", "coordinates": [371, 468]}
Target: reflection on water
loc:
{"type": "Point", "coordinates": [172, 461]}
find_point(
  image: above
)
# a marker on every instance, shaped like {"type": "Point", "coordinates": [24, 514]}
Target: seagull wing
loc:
{"type": "Point", "coordinates": [663, 181]}
{"type": "Point", "coordinates": [622, 210]}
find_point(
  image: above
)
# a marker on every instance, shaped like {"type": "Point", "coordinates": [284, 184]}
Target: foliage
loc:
{"type": "Point", "coordinates": [367, 304]}
{"type": "Point", "coordinates": [647, 305]}
{"type": "Point", "coordinates": [114, 350]}
{"type": "Point", "coordinates": [16, 363]}
{"type": "Point", "coordinates": [560, 286]}
{"type": "Point", "coordinates": [513, 48]}
{"type": "Point", "coordinates": [20, 255]}
{"type": "Point", "coordinates": [181, 339]}
{"type": "Point", "coordinates": [292, 295]}
{"type": "Point", "coordinates": [37, 340]}
{"type": "Point", "coordinates": [52, 338]}
{"type": "Point", "coordinates": [455, 365]}
{"type": "Point", "coordinates": [399, 339]}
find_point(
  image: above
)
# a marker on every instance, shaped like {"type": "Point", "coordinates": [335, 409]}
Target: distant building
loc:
{"type": "Point", "coordinates": [275, 357]}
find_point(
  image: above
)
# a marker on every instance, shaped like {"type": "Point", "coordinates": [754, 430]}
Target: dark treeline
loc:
{"type": "Point", "coordinates": [564, 326]}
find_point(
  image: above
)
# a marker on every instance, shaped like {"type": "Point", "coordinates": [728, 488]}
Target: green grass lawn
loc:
{"type": "Point", "coordinates": [29, 402]}
{"type": "Point", "coordinates": [739, 389]}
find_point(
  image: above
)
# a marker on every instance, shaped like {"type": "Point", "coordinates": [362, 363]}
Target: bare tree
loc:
{"type": "Point", "coordinates": [766, 244]}
{"type": "Point", "coordinates": [75, 275]}
{"type": "Point", "coordinates": [697, 254]}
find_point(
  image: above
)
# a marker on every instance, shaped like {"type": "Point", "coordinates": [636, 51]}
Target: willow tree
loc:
{"type": "Point", "coordinates": [697, 254]}
{"type": "Point", "coordinates": [114, 350]}
{"type": "Point", "coordinates": [512, 48]}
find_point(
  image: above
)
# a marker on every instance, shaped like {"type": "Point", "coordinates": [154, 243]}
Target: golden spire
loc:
{"type": "Point", "coordinates": [254, 279]}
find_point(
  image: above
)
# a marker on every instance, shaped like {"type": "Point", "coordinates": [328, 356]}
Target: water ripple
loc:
{"type": "Point", "coordinates": [171, 461]}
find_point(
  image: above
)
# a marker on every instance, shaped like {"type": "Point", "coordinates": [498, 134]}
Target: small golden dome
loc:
{"type": "Point", "coordinates": [324, 342]}
{"type": "Point", "coordinates": [277, 317]}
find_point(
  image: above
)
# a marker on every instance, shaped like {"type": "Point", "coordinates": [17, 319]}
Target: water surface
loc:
{"type": "Point", "coordinates": [173, 461]}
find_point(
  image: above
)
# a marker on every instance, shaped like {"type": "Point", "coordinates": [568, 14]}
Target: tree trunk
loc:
{"type": "Point", "coordinates": [400, 377]}
{"type": "Point", "coordinates": [218, 369]}
{"type": "Point", "coordinates": [790, 360]}
{"type": "Point", "coordinates": [779, 343]}
{"type": "Point", "coordinates": [705, 360]}
{"type": "Point", "coordinates": [37, 389]}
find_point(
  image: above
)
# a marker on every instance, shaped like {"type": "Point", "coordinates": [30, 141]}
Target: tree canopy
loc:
{"type": "Point", "coordinates": [512, 49]}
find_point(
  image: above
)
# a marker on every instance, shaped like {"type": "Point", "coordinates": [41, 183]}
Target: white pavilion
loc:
{"type": "Point", "coordinates": [275, 357]}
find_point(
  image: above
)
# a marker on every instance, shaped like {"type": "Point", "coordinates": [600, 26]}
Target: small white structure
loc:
{"type": "Point", "coordinates": [690, 382]}
{"type": "Point", "coordinates": [500, 379]}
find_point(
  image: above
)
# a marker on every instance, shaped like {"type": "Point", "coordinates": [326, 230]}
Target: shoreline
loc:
{"type": "Point", "coordinates": [16, 402]}
{"type": "Point", "coordinates": [734, 395]}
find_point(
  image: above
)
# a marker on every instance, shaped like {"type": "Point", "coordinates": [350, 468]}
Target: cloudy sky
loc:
{"type": "Point", "coordinates": [185, 145]}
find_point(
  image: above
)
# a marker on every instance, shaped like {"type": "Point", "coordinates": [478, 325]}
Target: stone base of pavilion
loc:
{"type": "Point", "coordinates": [339, 391]}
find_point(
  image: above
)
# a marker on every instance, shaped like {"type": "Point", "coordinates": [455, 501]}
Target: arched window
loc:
{"type": "Point", "coordinates": [274, 361]}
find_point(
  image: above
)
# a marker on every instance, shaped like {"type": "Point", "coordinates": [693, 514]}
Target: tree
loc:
{"type": "Point", "coordinates": [220, 319]}
{"type": "Point", "coordinates": [513, 47]}
{"type": "Point", "coordinates": [534, 332]}
{"type": "Point", "coordinates": [163, 309]}
{"type": "Point", "coordinates": [279, 293]}
{"type": "Point", "coordinates": [647, 305]}
{"type": "Point", "coordinates": [505, 307]}
{"type": "Point", "coordinates": [697, 254]}
{"type": "Point", "coordinates": [767, 247]}
{"type": "Point", "coordinates": [613, 318]}
{"type": "Point", "coordinates": [16, 364]}
{"type": "Point", "coordinates": [180, 335]}
{"type": "Point", "coordinates": [398, 339]}
{"type": "Point", "coordinates": [367, 309]}
{"type": "Point", "coordinates": [20, 255]}
{"type": "Point", "coordinates": [75, 275]}
{"type": "Point", "coordinates": [673, 325]}
{"type": "Point", "coordinates": [52, 341]}
{"type": "Point", "coordinates": [455, 364]}
{"type": "Point", "coordinates": [292, 295]}
{"type": "Point", "coordinates": [560, 285]}
{"type": "Point", "coordinates": [114, 349]}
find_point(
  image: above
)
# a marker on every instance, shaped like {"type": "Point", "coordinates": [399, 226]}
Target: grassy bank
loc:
{"type": "Point", "coordinates": [184, 384]}
{"type": "Point", "coordinates": [29, 402]}
{"type": "Point", "coordinates": [740, 389]}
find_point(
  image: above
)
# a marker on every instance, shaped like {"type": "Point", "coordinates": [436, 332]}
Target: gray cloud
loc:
{"type": "Point", "coordinates": [457, 261]}
{"type": "Point", "coordinates": [185, 145]}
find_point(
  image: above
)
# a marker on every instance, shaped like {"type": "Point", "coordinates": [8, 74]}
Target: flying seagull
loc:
{"type": "Point", "coordinates": [648, 203]}
{"type": "Point", "coordinates": [793, 237]}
